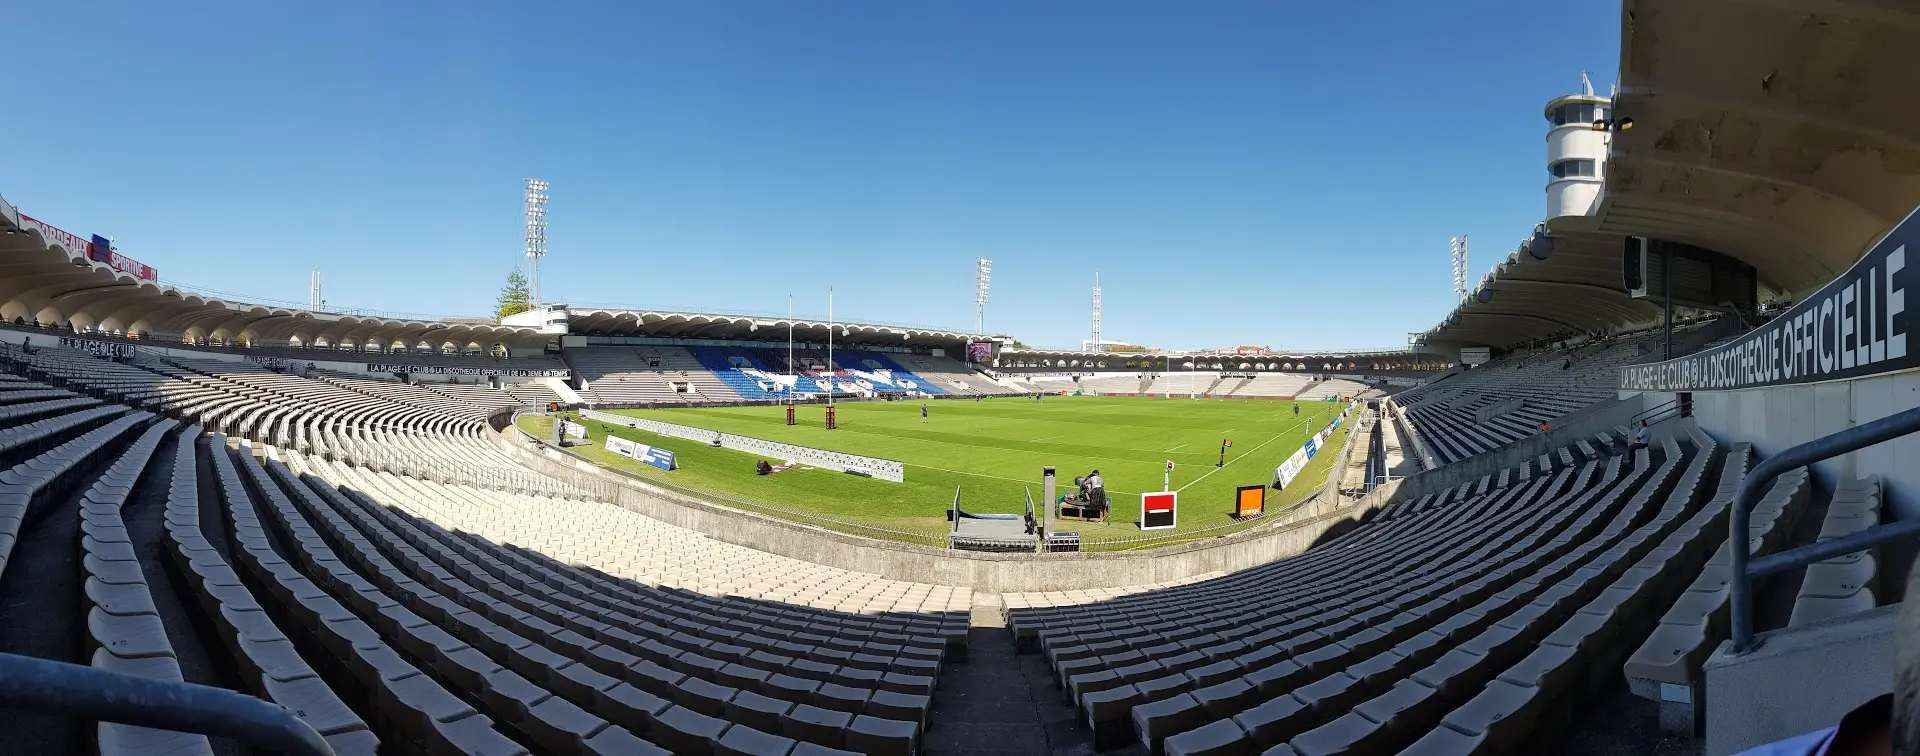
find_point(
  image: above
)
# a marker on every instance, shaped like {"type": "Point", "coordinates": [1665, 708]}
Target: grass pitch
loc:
{"type": "Point", "coordinates": [992, 450]}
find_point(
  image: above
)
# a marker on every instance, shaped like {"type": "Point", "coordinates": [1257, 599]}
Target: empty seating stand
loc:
{"type": "Point", "coordinates": [123, 627]}
{"type": "Point", "coordinates": [1666, 667]}
{"type": "Point", "coordinates": [268, 660]}
{"type": "Point", "coordinates": [1845, 584]}
{"type": "Point", "coordinates": [1378, 640]}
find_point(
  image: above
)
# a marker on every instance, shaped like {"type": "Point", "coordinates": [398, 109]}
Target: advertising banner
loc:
{"type": "Point", "coordinates": [1475, 355]}
{"type": "Point", "coordinates": [1283, 475]}
{"type": "Point", "coordinates": [103, 252]}
{"type": "Point", "coordinates": [387, 367]}
{"type": "Point", "coordinates": [884, 469]}
{"type": "Point", "coordinates": [1249, 501]}
{"type": "Point", "coordinates": [620, 446]}
{"type": "Point", "coordinates": [657, 457]}
{"type": "Point", "coordinates": [1855, 326]}
{"type": "Point", "coordinates": [73, 244]}
{"type": "Point", "coordinates": [1159, 510]}
{"type": "Point", "coordinates": [108, 349]}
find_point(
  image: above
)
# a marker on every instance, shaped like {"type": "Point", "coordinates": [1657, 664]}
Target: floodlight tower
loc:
{"type": "Point", "coordinates": [315, 300]}
{"type": "Point", "coordinates": [982, 274]}
{"type": "Point", "coordinates": [536, 236]}
{"type": "Point", "coordinates": [1460, 266]}
{"type": "Point", "coordinates": [1096, 314]}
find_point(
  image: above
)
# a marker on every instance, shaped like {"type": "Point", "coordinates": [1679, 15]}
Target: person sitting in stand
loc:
{"type": "Point", "coordinates": [1640, 435]}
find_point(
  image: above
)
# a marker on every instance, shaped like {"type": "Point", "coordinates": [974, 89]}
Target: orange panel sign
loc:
{"type": "Point", "coordinates": [1249, 501]}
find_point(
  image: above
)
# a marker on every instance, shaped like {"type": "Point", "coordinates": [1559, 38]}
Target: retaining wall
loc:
{"type": "Point", "coordinates": [1312, 521]}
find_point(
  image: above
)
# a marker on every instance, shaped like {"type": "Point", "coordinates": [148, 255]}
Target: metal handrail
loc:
{"type": "Point", "coordinates": [60, 688]}
{"type": "Point", "coordinates": [1745, 568]}
{"type": "Point", "coordinates": [1663, 411]}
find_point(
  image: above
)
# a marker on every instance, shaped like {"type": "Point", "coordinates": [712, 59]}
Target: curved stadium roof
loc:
{"type": "Point", "coordinates": [1785, 139]}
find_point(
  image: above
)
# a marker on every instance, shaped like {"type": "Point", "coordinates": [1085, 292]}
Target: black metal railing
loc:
{"type": "Point", "coordinates": [53, 687]}
{"type": "Point", "coordinates": [1660, 413]}
{"type": "Point", "coordinates": [1745, 568]}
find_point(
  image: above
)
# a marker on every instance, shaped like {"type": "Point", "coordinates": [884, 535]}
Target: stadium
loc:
{"type": "Point", "coordinates": [1647, 488]}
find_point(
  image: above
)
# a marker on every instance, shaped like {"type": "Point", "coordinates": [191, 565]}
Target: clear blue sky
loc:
{"type": "Point", "coordinates": [1273, 173]}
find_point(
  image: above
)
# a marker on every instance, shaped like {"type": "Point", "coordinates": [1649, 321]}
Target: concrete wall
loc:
{"type": "Point", "coordinates": [1530, 448]}
{"type": "Point", "coordinates": [1497, 409]}
{"type": "Point", "coordinates": [1762, 696]}
{"type": "Point", "coordinates": [1777, 418]}
{"type": "Point", "coordinates": [1290, 535]}
{"type": "Point", "coordinates": [994, 573]}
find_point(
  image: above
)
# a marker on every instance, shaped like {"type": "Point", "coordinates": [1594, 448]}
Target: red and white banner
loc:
{"type": "Point", "coordinates": [131, 267]}
{"type": "Point", "coordinates": [95, 252]}
{"type": "Point", "coordinates": [74, 244]}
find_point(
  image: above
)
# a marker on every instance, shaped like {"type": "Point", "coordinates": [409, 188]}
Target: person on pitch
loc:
{"type": "Point", "coordinates": [923, 412]}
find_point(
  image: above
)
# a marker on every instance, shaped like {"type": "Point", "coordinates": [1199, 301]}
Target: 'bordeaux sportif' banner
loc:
{"type": "Point", "coordinates": [1854, 327]}
{"type": "Point", "coordinates": [98, 249]}
{"type": "Point", "coordinates": [102, 251]}
{"type": "Point", "coordinates": [1159, 510]}
{"type": "Point", "coordinates": [72, 243]}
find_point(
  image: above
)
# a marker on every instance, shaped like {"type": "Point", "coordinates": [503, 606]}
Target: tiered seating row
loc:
{"type": "Point", "coordinates": [1844, 584]}
{"type": "Point", "coordinates": [1444, 412]}
{"type": "Point", "coordinates": [1377, 635]}
{"type": "Point", "coordinates": [269, 662]}
{"type": "Point", "coordinates": [416, 705]}
{"type": "Point", "coordinates": [589, 625]}
{"type": "Point", "coordinates": [124, 629]}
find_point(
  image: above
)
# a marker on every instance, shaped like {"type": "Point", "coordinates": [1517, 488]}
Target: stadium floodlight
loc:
{"type": "Point", "coordinates": [536, 236]}
{"type": "Point", "coordinates": [1096, 314]}
{"type": "Point", "coordinates": [1460, 266]}
{"type": "Point", "coordinates": [982, 275]}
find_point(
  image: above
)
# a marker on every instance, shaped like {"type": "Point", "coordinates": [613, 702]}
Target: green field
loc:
{"type": "Point", "coordinates": [992, 450]}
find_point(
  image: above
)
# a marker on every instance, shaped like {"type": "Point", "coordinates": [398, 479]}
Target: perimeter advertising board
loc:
{"type": "Point", "coordinates": [1249, 501]}
{"type": "Point", "coordinates": [655, 456]}
{"type": "Point", "coordinates": [1290, 469]}
{"type": "Point", "coordinates": [1159, 510]}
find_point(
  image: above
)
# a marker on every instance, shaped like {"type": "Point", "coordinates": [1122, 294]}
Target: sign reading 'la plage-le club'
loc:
{"type": "Point", "coordinates": [1854, 327]}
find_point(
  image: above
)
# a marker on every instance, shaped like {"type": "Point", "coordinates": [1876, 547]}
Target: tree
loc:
{"type": "Point", "coordinates": [514, 297]}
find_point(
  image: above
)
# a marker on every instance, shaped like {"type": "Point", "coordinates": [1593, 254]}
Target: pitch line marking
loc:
{"type": "Point", "coordinates": [1249, 453]}
{"type": "Point", "coordinates": [1177, 448]}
